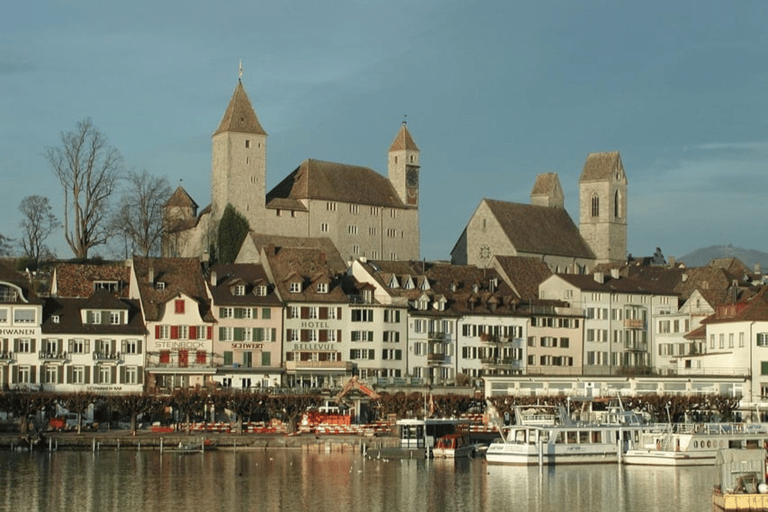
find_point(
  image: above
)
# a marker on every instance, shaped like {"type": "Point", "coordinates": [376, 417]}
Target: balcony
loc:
{"type": "Point", "coordinates": [437, 336]}
{"type": "Point", "coordinates": [52, 357]}
{"type": "Point", "coordinates": [6, 357]}
{"type": "Point", "coordinates": [106, 357]}
{"type": "Point", "coordinates": [181, 361]}
{"type": "Point", "coordinates": [293, 366]}
{"type": "Point", "coordinates": [436, 358]}
{"type": "Point", "coordinates": [501, 362]}
{"type": "Point", "coordinates": [636, 346]}
{"type": "Point", "coordinates": [631, 323]}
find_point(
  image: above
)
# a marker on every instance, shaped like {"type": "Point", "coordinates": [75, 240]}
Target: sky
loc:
{"type": "Point", "coordinates": [495, 92]}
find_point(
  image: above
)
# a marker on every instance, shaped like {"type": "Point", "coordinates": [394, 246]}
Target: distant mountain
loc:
{"type": "Point", "coordinates": [700, 257]}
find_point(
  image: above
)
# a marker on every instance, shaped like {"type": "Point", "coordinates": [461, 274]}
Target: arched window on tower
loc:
{"type": "Point", "coordinates": [595, 205]}
{"type": "Point", "coordinates": [617, 205]}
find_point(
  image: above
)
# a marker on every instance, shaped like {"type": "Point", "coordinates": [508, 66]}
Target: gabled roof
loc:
{"type": "Point", "coordinates": [753, 309]}
{"type": "Point", "coordinates": [316, 179]}
{"type": "Point", "coordinates": [77, 279]}
{"type": "Point", "coordinates": [181, 199]}
{"type": "Point", "coordinates": [601, 166]}
{"type": "Point", "coordinates": [524, 274]}
{"type": "Point", "coordinates": [539, 229]}
{"type": "Point", "coordinates": [403, 140]}
{"type": "Point", "coordinates": [288, 264]}
{"type": "Point", "coordinates": [546, 184]}
{"type": "Point", "coordinates": [178, 275]}
{"type": "Point", "coordinates": [103, 299]}
{"type": "Point", "coordinates": [250, 275]}
{"type": "Point", "coordinates": [240, 116]}
{"type": "Point", "coordinates": [70, 320]}
{"type": "Point", "coordinates": [622, 285]}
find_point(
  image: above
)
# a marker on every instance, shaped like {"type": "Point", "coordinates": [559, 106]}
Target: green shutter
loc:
{"type": "Point", "coordinates": [274, 334]}
{"type": "Point", "coordinates": [266, 313]}
{"type": "Point", "coordinates": [258, 334]}
{"type": "Point", "coordinates": [255, 313]}
{"type": "Point", "coordinates": [227, 358]}
{"type": "Point", "coordinates": [221, 333]}
{"type": "Point", "coordinates": [239, 334]}
{"type": "Point", "coordinates": [87, 374]}
{"type": "Point", "coordinates": [122, 375]}
{"type": "Point", "coordinates": [266, 358]}
{"type": "Point", "coordinates": [70, 371]}
{"type": "Point", "coordinates": [764, 368]}
{"type": "Point", "coordinates": [140, 374]}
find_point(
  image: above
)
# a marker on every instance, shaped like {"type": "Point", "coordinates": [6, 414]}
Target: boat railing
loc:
{"type": "Point", "coordinates": [711, 429]}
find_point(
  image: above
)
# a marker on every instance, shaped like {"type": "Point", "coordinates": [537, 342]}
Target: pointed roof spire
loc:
{"type": "Point", "coordinates": [240, 116]}
{"type": "Point", "coordinates": [403, 140]}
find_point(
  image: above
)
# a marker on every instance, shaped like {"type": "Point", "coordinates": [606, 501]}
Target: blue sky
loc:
{"type": "Point", "coordinates": [495, 92]}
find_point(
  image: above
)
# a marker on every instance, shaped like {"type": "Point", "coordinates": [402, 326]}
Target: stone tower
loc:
{"type": "Point", "coordinates": [239, 161]}
{"type": "Point", "coordinates": [404, 167]}
{"type": "Point", "coordinates": [547, 191]}
{"type": "Point", "coordinates": [603, 206]}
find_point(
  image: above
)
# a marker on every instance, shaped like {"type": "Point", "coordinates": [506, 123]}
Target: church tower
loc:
{"type": "Point", "coordinates": [547, 191]}
{"type": "Point", "coordinates": [603, 206]}
{"type": "Point", "coordinates": [239, 161]}
{"type": "Point", "coordinates": [404, 167]}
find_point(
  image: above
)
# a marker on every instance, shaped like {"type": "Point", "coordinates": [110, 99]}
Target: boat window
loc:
{"type": "Point", "coordinates": [559, 437]}
{"type": "Point", "coordinates": [752, 443]}
{"type": "Point", "coordinates": [596, 436]}
{"type": "Point", "coordinates": [544, 436]}
{"type": "Point", "coordinates": [520, 436]}
{"type": "Point", "coordinates": [584, 436]}
{"type": "Point", "coordinates": [571, 437]}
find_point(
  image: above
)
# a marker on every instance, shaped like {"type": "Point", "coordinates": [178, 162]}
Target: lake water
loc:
{"type": "Point", "coordinates": [298, 480]}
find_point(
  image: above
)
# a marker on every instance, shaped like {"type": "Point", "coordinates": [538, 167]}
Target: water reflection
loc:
{"type": "Point", "coordinates": [306, 480]}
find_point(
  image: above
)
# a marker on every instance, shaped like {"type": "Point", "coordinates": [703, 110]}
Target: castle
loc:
{"type": "Point", "coordinates": [362, 212]}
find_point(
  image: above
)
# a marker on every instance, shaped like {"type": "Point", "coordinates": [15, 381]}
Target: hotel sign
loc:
{"type": "Point", "coordinates": [180, 344]}
{"type": "Point", "coordinates": [19, 331]}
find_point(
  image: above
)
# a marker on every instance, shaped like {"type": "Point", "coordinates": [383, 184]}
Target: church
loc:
{"type": "Point", "coordinates": [363, 213]}
{"type": "Point", "coordinates": [544, 230]}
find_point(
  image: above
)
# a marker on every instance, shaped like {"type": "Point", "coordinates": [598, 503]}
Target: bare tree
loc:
{"type": "Point", "coordinates": [88, 170]}
{"type": "Point", "coordinates": [140, 216]}
{"type": "Point", "coordinates": [37, 224]}
{"type": "Point", "coordinates": [5, 245]}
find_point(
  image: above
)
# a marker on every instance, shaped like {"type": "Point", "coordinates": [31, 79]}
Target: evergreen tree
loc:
{"type": "Point", "coordinates": [233, 228]}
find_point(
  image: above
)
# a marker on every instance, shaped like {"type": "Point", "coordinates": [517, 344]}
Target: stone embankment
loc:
{"type": "Point", "coordinates": [147, 440]}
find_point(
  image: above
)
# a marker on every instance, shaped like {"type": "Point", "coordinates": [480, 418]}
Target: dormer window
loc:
{"type": "Point", "coordinates": [114, 318]}
{"type": "Point", "coordinates": [295, 287]}
{"type": "Point", "coordinates": [55, 319]}
{"type": "Point", "coordinates": [239, 290]}
{"type": "Point", "coordinates": [261, 290]}
{"type": "Point", "coordinates": [408, 283]}
{"type": "Point", "coordinates": [94, 317]}
{"type": "Point", "coordinates": [160, 285]}
{"type": "Point", "coordinates": [421, 304]}
{"type": "Point", "coordinates": [111, 286]}
{"type": "Point", "coordinates": [393, 283]}
{"type": "Point", "coordinates": [367, 296]}
{"type": "Point", "coordinates": [322, 287]}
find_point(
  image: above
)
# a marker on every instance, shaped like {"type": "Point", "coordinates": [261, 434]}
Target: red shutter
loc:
{"type": "Point", "coordinates": [157, 332]}
{"type": "Point", "coordinates": [323, 313]}
{"type": "Point", "coordinates": [338, 335]}
{"type": "Point", "coordinates": [304, 335]}
{"type": "Point", "coordinates": [193, 332]}
{"type": "Point", "coordinates": [174, 332]}
{"type": "Point", "coordinates": [323, 335]}
{"type": "Point", "coordinates": [304, 313]}
{"type": "Point", "coordinates": [338, 313]}
{"type": "Point", "coordinates": [210, 332]}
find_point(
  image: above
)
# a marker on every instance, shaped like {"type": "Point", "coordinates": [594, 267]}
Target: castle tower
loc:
{"type": "Point", "coordinates": [239, 161]}
{"type": "Point", "coordinates": [603, 206]}
{"type": "Point", "coordinates": [404, 167]}
{"type": "Point", "coordinates": [547, 191]}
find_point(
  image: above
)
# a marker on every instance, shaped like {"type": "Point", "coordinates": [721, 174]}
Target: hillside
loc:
{"type": "Point", "coordinates": [701, 257]}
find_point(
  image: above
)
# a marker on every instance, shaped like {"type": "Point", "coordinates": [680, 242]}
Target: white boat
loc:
{"type": "Point", "coordinates": [554, 439]}
{"type": "Point", "coordinates": [695, 444]}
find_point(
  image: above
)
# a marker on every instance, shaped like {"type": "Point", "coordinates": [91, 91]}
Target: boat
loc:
{"type": "Point", "coordinates": [742, 484]}
{"type": "Point", "coordinates": [454, 446]}
{"type": "Point", "coordinates": [190, 447]}
{"type": "Point", "coordinates": [548, 438]}
{"type": "Point", "coordinates": [695, 444]}
{"type": "Point", "coordinates": [418, 438]}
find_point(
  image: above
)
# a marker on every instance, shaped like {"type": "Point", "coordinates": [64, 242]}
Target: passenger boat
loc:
{"type": "Point", "coordinates": [454, 446]}
{"type": "Point", "coordinates": [547, 439]}
{"type": "Point", "coordinates": [742, 482]}
{"type": "Point", "coordinates": [694, 444]}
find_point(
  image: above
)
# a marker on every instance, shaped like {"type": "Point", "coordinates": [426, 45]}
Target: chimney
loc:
{"type": "Point", "coordinates": [684, 277]}
{"type": "Point", "coordinates": [151, 274]}
{"type": "Point", "coordinates": [615, 273]}
{"type": "Point", "coordinates": [271, 250]}
{"type": "Point", "coordinates": [599, 277]}
{"type": "Point", "coordinates": [672, 260]}
{"type": "Point", "coordinates": [213, 278]}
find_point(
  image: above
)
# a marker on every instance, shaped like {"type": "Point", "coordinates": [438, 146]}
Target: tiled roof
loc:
{"type": "Point", "coordinates": [77, 279]}
{"type": "Point", "coordinates": [70, 319]}
{"type": "Point", "coordinates": [403, 140]}
{"type": "Point", "coordinates": [103, 299]}
{"type": "Point", "coordinates": [540, 229]}
{"type": "Point", "coordinates": [752, 309]}
{"type": "Point", "coordinates": [316, 179]}
{"type": "Point", "coordinates": [180, 198]}
{"type": "Point", "coordinates": [622, 285]}
{"type": "Point", "coordinates": [525, 274]}
{"type": "Point", "coordinates": [289, 264]}
{"type": "Point", "coordinates": [600, 166]}
{"type": "Point", "coordinates": [249, 275]}
{"type": "Point", "coordinates": [546, 183]}
{"type": "Point", "coordinates": [178, 275]}
{"type": "Point", "coordinates": [240, 116]}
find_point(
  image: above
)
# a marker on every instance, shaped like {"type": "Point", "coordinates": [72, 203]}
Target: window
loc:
{"type": "Point", "coordinates": [295, 287]}
{"type": "Point", "coordinates": [361, 353]}
{"type": "Point", "coordinates": [240, 290]}
{"type": "Point", "coordinates": [105, 375]}
{"type": "Point", "coordinates": [78, 375]}
{"type": "Point", "coordinates": [353, 208]}
{"type": "Point", "coordinates": [392, 316]}
{"type": "Point", "coordinates": [324, 227]}
{"type": "Point", "coordinates": [362, 315]}
{"type": "Point", "coordinates": [595, 205]}
{"type": "Point", "coordinates": [741, 339]}
{"type": "Point", "coordinates": [391, 336]}
{"type": "Point", "coordinates": [722, 340]}
{"type": "Point", "coordinates": [330, 206]}
{"type": "Point", "coordinates": [762, 339]}
{"type": "Point", "coordinates": [314, 312]}
{"type": "Point", "coordinates": [372, 231]}
{"type": "Point", "coordinates": [178, 306]}
{"type": "Point", "coordinates": [226, 312]}
{"type": "Point", "coordinates": [352, 229]}
{"type": "Point", "coordinates": [131, 347]}
{"type": "Point", "coordinates": [261, 291]}
{"type": "Point", "coordinates": [131, 375]}
{"type": "Point", "coordinates": [111, 286]}
{"type": "Point", "coordinates": [394, 354]}
{"type": "Point", "coordinates": [362, 335]}
{"type": "Point", "coordinates": [79, 346]}
{"type": "Point", "coordinates": [24, 316]}
{"type": "Point", "coordinates": [730, 340]}
{"type": "Point", "coordinates": [322, 287]}
{"type": "Point", "coordinates": [24, 346]}
{"type": "Point", "coordinates": [52, 374]}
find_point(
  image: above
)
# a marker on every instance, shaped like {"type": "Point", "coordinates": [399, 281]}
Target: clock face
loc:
{"type": "Point", "coordinates": [412, 178]}
{"type": "Point", "coordinates": [485, 252]}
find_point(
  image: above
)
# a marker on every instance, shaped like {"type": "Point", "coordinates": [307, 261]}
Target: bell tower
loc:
{"type": "Point", "coordinates": [404, 167]}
